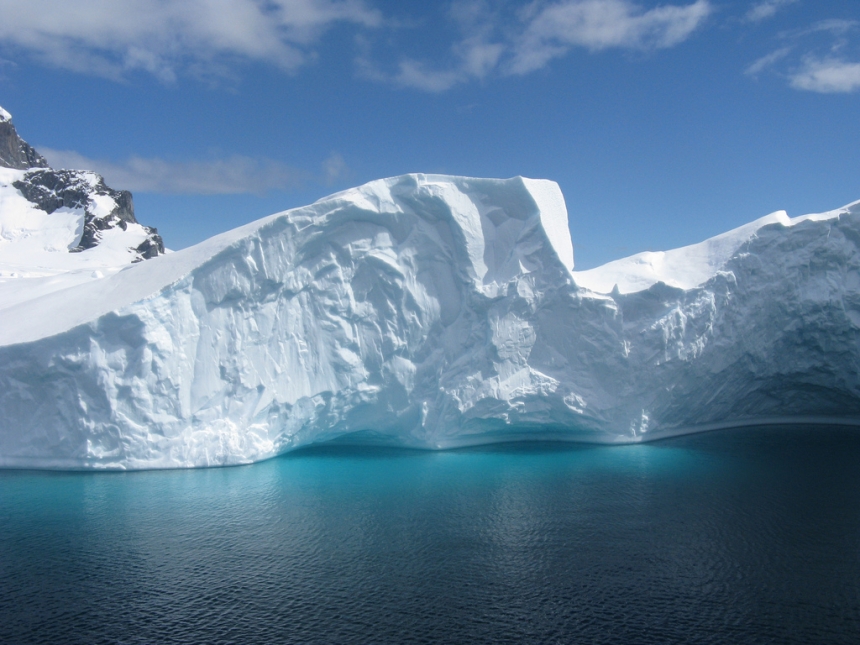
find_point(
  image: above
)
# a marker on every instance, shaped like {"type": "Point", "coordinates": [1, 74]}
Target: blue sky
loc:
{"type": "Point", "coordinates": [663, 122]}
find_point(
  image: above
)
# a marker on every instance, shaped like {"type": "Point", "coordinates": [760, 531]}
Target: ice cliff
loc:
{"type": "Point", "coordinates": [429, 311]}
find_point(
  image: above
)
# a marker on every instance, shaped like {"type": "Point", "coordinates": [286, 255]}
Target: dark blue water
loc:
{"type": "Point", "coordinates": [748, 536]}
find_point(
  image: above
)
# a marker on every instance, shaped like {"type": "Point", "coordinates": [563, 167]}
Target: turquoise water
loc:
{"type": "Point", "coordinates": [736, 536]}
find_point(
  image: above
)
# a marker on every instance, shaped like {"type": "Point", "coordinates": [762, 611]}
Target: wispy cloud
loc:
{"type": "Point", "coordinates": [415, 74]}
{"type": "Point", "coordinates": [766, 9]}
{"type": "Point", "coordinates": [767, 61]}
{"type": "Point", "coordinates": [827, 76]}
{"type": "Point", "coordinates": [334, 169]}
{"type": "Point", "coordinates": [835, 27]}
{"type": "Point", "coordinates": [603, 24]}
{"type": "Point", "coordinates": [539, 33]}
{"type": "Point", "coordinates": [230, 175]}
{"type": "Point", "coordinates": [817, 58]}
{"type": "Point", "coordinates": [475, 54]}
{"type": "Point", "coordinates": [171, 36]}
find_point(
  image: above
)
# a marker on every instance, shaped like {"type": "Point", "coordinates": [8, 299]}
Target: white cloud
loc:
{"type": "Point", "coordinates": [206, 38]}
{"type": "Point", "coordinates": [231, 175]}
{"type": "Point", "coordinates": [603, 24]}
{"type": "Point", "coordinates": [474, 56]}
{"type": "Point", "coordinates": [827, 76]}
{"type": "Point", "coordinates": [817, 58]}
{"type": "Point", "coordinates": [414, 74]}
{"type": "Point", "coordinates": [541, 32]}
{"type": "Point", "coordinates": [334, 168]}
{"type": "Point", "coordinates": [109, 38]}
{"type": "Point", "coordinates": [834, 27]}
{"type": "Point", "coordinates": [767, 61]}
{"type": "Point", "coordinates": [766, 9]}
{"type": "Point", "coordinates": [478, 57]}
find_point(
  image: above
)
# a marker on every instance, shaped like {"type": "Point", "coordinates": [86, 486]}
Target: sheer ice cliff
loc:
{"type": "Point", "coordinates": [427, 311]}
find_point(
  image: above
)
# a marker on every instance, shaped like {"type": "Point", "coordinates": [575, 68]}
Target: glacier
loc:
{"type": "Point", "coordinates": [432, 312]}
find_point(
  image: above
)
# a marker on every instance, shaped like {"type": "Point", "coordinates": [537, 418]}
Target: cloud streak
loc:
{"type": "Point", "coordinates": [767, 61]}
{"type": "Point", "coordinates": [824, 66]}
{"type": "Point", "coordinates": [169, 37]}
{"type": "Point", "coordinates": [603, 24]}
{"type": "Point", "coordinates": [232, 175]}
{"type": "Point", "coordinates": [766, 9]}
{"type": "Point", "coordinates": [540, 33]}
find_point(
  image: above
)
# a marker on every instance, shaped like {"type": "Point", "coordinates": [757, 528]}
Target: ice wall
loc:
{"type": "Point", "coordinates": [426, 311]}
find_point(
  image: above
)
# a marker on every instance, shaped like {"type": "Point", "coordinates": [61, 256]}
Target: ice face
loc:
{"type": "Point", "coordinates": [427, 311]}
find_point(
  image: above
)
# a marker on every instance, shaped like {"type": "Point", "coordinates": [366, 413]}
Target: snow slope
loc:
{"type": "Point", "coordinates": [59, 228]}
{"type": "Point", "coordinates": [689, 266]}
{"type": "Point", "coordinates": [428, 311]}
{"type": "Point", "coordinates": [35, 246]}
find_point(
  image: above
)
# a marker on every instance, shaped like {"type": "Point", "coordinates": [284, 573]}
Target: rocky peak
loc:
{"type": "Point", "coordinates": [14, 151]}
{"type": "Point", "coordinates": [49, 190]}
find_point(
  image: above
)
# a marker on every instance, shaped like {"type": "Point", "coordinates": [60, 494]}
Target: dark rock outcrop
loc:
{"type": "Point", "coordinates": [51, 189]}
{"type": "Point", "coordinates": [14, 151]}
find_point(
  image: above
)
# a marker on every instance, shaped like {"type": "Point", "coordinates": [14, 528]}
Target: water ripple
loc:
{"type": "Point", "coordinates": [736, 536]}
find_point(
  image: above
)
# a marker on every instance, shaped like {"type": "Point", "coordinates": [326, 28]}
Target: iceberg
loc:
{"type": "Point", "coordinates": [433, 312]}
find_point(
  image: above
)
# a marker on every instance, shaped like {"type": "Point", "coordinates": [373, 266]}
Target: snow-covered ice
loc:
{"type": "Point", "coordinates": [426, 311]}
{"type": "Point", "coordinates": [687, 267]}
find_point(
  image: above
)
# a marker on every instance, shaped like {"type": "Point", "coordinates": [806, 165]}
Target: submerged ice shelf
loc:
{"type": "Point", "coordinates": [428, 311]}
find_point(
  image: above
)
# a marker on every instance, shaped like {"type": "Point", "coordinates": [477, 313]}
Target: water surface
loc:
{"type": "Point", "coordinates": [736, 536]}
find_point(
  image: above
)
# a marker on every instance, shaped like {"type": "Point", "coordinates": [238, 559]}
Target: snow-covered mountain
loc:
{"type": "Point", "coordinates": [429, 311]}
{"type": "Point", "coordinates": [64, 226]}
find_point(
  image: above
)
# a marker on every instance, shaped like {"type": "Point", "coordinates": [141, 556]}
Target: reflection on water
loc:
{"type": "Point", "coordinates": [734, 536]}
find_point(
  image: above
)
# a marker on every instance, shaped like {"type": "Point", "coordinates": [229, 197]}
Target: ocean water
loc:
{"type": "Point", "coordinates": [738, 536]}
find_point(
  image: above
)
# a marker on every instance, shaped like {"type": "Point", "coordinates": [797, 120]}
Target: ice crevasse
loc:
{"type": "Point", "coordinates": [433, 312]}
